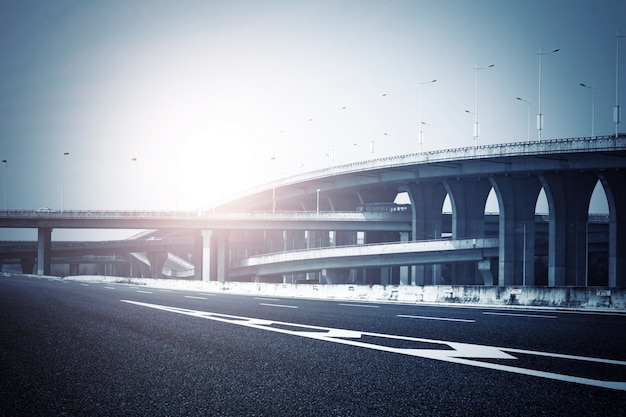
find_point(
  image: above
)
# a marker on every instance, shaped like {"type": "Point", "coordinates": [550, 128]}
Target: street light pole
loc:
{"type": "Point", "coordinates": [616, 109]}
{"type": "Point", "coordinates": [527, 118]}
{"type": "Point", "coordinates": [272, 162]}
{"type": "Point", "coordinates": [539, 114]}
{"type": "Point", "coordinates": [134, 161]}
{"type": "Point", "coordinates": [592, 87]}
{"type": "Point", "coordinates": [6, 170]}
{"type": "Point", "coordinates": [372, 127]}
{"type": "Point", "coordinates": [421, 134]}
{"type": "Point", "coordinates": [65, 154]}
{"type": "Point", "coordinates": [476, 125]}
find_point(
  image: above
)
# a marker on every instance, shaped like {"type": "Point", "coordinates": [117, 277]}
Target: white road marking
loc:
{"type": "Point", "coordinates": [164, 291]}
{"type": "Point", "coordinates": [196, 297]}
{"type": "Point", "coordinates": [436, 318]}
{"type": "Point", "coordinates": [85, 285]}
{"type": "Point", "coordinates": [266, 299]}
{"type": "Point", "coordinates": [359, 305]}
{"type": "Point", "coordinates": [110, 288]}
{"type": "Point", "coordinates": [277, 305]}
{"type": "Point", "coordinates": [541, 316]}
{"type": "Point", "coordinates": [461, 353]}
{"type": "Point", "coordinates": [144, 292]}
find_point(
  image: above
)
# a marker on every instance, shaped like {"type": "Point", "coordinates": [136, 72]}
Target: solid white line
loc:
{"type": "Point", "coordinates": [164, 291]}
{"type": "Point", "coordinates": [144, 292]}
{"type": "Point", "coordinates": [461, 353]}
{"type": "Point", "coordinates": [266, 299]}
{"type": "Point", "coordinates": [277, 305]}
{"type": "Point", "coordinates": [436, 318]}
{"type": "Point", "coordinates": [541, 316]}
{"type": "Point", "coordinates": [195, 297]}
{"type": "Point", "coordinates": [359, 305]}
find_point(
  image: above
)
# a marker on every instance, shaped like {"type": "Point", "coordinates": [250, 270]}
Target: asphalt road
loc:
{"type": "Point", "coordinates": [75, 349]}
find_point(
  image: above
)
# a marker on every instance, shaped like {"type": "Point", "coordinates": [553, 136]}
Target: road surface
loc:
{"type": "Point", "coordinates": [73, 349]}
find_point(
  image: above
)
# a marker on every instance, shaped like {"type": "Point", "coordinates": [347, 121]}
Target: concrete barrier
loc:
{"type": "Point", "coordinates": [592, 298]}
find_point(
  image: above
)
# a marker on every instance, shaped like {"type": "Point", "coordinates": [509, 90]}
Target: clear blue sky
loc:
{"type": "Point", "coordinates": [204, 93]}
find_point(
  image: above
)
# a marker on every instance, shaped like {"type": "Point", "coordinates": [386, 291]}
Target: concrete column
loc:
{"type": "Point", "coordinates": [614, 184]}
{"type": "Point", "coordinates": [404, 269]}
{"type": "Point", "coordinates": [468, 198]}
{"type": "Point", "coordinates": [568, 197]}
{"type": "Point", "coordinates": [196, 257]}
{"type": "Point", "coordinates": [44, 248]}
{"type": "Point", "coordinates": [28, 264]}
{"type": "Point", "coordinates": [157, 261]}
{"type": "Point", "coordinates": [208, 256]}
{"type": "Point", "coordinates": [222, 256]}
{"type": "Point", "coordinates": [426, 204]}
{"type": "Point", "coordinates": [517, 199]}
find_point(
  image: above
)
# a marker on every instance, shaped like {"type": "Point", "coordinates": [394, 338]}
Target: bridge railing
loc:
{"type": "Point", "coordinates": [569, 145]}
{"type": "Point", "coordinates": [202, 214]}
{"type": "Point", "coordinates": [368, 249]}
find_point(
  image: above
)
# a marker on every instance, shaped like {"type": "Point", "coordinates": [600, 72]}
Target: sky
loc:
{"type": "Point", "coordinates": [161, 104]}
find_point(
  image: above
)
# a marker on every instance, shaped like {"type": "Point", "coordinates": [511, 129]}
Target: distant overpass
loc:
{"type": "Point", "coordinates": [333, 207]}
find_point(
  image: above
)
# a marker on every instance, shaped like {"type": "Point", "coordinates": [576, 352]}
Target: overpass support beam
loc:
{"type": "Point", "coordinates": [426, 223]}
{"type": "Point", "coordinates": [517, 199]}
{"type": "Point", "coordinates": [614, 184]}
{"type": "Point", "coordinates": [209, 257]}
{"type": "Point", "coordinates": [157, 261]}
{"type": "Point", "coordinates": [28, 265]}
{"type": "Point", "coordinates": [215, 255]}
{"type": "Point", "coordinates": [568, 198]}
{"type": "Point", "coordinates": [196, 256]}
{"type": "Point", "coordinates": [468, 198]}
{"type": "Point", "coordinates": [44, 248]}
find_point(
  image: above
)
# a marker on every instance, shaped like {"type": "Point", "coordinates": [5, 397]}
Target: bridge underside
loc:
{"type": "Point", "coordinates": [340, 207]}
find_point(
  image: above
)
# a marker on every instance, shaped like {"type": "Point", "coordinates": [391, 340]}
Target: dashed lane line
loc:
{"type": "Point", "coordinates": [538, 316]}
{"type": "Point", "coordinates": [144, 292]}
{"type": "Point", "coordinates": [195, 297]}
{"type": "Point", "coordinates": [408, 316]}
{"type": "Point", "coordinates": [110, 288]}
{"type": "Point", "coordinates": [359, 305]}
{"type": "Point", "coordinates": [278, 305]}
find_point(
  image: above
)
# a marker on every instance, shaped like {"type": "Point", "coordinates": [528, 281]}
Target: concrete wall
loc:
{"type": "Point", "coordinates": [592, 298]}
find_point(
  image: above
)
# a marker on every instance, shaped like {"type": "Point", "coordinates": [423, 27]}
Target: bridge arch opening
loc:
{"type": "Point", "coordinates": [597, 237]}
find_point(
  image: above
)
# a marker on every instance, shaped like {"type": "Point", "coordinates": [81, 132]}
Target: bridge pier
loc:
{"type": "Point", "coordinates": [28, 265]}
{"type": "Point", "coordinates": [517, 199]}
{"type": "Point", "coordinates": [157, 261]}
{"type": "Point", "coordinates": [568, 198]}
{"type": "Point", "coordinates": [215, 255]}
{"type": "Point", "coordinates": [614, 183]}
{"type": "Point", "coordinates": [468, 199]}
{"type": "Point", "coordinates": [426, 223]}
{"type": "Point", "coordinates": [44, 248]}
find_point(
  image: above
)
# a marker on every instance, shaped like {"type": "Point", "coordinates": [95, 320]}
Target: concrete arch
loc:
{"type": "Point", "coordinates": [427, 222]}
{"type": "Point", "coordinates": [517, 198]}
{"type": "Point", "coordinates": [568, 196]}
{"type": "Point", "coordinates": [613, 183]}
{"type": "Point", "coordinates": [468, 198]}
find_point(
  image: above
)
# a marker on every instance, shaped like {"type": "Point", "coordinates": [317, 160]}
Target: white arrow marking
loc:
{"type": "Point", "coordinates": [455, 352]}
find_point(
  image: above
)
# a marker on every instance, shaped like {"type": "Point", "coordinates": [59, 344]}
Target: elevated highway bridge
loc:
{"type": "Point", "coordinates": [333, 208]}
